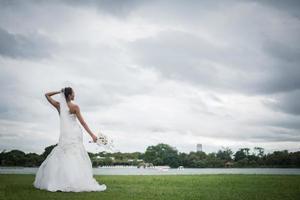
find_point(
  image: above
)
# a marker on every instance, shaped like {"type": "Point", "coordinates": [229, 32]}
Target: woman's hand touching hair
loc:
{"type": "Point", "coordinates": [51, 100]}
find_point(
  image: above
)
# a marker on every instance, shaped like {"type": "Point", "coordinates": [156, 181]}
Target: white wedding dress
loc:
{"type": "Point", "coordinates": [68, 167]}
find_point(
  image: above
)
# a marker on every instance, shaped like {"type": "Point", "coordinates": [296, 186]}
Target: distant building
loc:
{"type": "Point", "coordinates": [199, 147]}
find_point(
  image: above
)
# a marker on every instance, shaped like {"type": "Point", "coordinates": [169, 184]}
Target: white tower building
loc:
{"type": "Point", "coordinates": [199, 147]}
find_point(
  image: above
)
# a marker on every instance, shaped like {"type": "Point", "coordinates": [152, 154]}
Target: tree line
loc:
{"type": "Point", "coordinates": [164, 154]}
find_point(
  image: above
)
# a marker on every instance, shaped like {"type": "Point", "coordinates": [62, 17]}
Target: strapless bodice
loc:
{"type": "Point", "coordinates": [71, 132]}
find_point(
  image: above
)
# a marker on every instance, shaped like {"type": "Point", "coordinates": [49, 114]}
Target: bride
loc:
{"type": "Point", "coordinates": [68, 167]}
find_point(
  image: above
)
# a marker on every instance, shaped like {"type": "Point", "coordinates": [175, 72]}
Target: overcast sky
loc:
{"type": "Point", "coordinates": [219, 73]}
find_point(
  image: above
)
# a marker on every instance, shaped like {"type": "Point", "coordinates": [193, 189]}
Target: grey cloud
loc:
{"type": "Point", "coordinates": [97, 96]}
{"type": "Point", "coordinates": [289, 6]}
{"type": "Point", "coordinates": [286, 102]}
{"type": "Point", "coordinates": [282, 51]}
{"type": "Point", "coordinates": [265, 134]}
{"type": "Point", "coordinates": [276, 136]}
{"type": "Point", "coordinates": [123, 8]}
{"type": "Point", "coordinates": [286, 71]}
{"type": "Point", "coordinates": [118, 8]}
{"type": "Point", "coordinates": [8, 86]}
{"type": "Point", "coordinates": [21, 46]}
{"type": "Point", "coordinates": [290, 123]}
{"type": "Point", "coordinates": [184, 56]}
{"type": "Point", "coordinates": [284, 79]}
{"type": "Point", "coordinates": [176, 55]}
{"type": "Point", "coordinates": [260, 62]}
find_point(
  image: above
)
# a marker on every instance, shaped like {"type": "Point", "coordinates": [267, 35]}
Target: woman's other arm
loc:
{"type": "Point", "coordinates": [83, 123]}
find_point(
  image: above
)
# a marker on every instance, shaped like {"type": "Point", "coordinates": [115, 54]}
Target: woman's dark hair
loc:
{"type": "Point", "coordinates": [67, 92]}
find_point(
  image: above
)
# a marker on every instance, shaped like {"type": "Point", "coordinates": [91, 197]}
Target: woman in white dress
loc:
{"type": "Point", "coordinates": [68, 167]}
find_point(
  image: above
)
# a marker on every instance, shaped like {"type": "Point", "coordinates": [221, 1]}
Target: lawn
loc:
{"type": "Point", "coordinates": [172, 187]}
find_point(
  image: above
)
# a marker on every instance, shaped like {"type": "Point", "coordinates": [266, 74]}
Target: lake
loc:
{"type": "Point", "coordinates": [157, 171]}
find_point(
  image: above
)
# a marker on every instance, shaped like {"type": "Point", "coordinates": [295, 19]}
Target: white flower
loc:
{"type": "Point", "coordinates": [104, 141]}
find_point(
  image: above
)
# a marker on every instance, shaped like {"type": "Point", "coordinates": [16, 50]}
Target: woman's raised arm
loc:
{"type": "Point", "coordinates": [51, 100]}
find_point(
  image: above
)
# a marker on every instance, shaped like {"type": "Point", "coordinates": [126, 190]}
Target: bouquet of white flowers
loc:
{"type": "Point", "coordinates": [103, 141]}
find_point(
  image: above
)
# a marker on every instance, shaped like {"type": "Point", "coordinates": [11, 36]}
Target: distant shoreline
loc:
{"type": "Point", "coordinates": [171, 171]}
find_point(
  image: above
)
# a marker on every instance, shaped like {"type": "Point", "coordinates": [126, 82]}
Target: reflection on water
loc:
{"type": "Point", "coordinates": [158, 171]}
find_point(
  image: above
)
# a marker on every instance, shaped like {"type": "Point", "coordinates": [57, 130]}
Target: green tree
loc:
{"type": "Point", "coordinates": [14, 158]}
{"type": "Point", "coordinates": [32, 160]}
{"type": "Point", "coordinates": [259, 151]}
{"type": "Point", "coordinates": [162, 154]}
{"type": "Point", "coordinates": [225, 154]}
{"type": "Point", "coordinates": [240, 155]}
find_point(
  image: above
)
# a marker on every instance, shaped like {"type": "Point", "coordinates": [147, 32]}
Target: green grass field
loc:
{"type": "Point", "coordinates": [164, 187]}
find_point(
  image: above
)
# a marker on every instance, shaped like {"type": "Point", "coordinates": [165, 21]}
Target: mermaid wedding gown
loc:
{"type": "Point", "coordinates": [68, 167]}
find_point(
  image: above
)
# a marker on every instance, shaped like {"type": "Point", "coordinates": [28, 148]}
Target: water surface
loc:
{"type": "Point", "coordinates": [158, 171]}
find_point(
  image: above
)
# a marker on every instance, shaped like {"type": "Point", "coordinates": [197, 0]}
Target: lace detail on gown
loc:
{"type": "Point", "coordinates": [68, 167]}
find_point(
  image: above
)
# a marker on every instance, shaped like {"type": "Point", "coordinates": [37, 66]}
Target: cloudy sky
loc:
{"type": "Point", "coordinates": [224, 74]}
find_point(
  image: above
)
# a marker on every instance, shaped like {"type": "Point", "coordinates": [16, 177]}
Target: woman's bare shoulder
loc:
{"type": "Point", "coordinates": [74, 106]}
